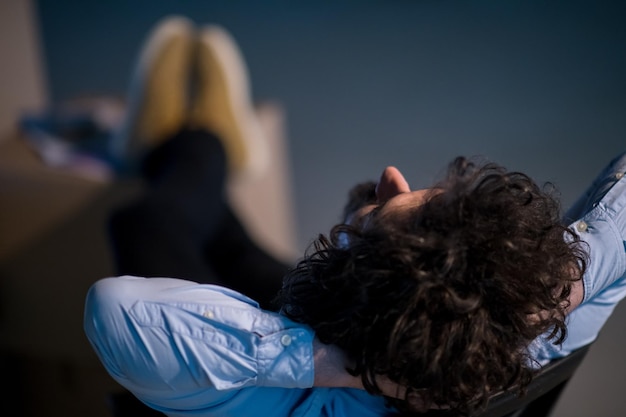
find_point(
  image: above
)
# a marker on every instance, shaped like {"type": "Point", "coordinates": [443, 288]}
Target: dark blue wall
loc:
{"type": "Point", "coordinates": [536, 85]}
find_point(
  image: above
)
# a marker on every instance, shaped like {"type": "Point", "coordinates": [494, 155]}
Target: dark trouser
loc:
{"type": "Point", "coordinates": [182, 227]}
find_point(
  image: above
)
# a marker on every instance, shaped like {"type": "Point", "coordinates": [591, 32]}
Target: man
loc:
{"type": "Point", "coordinates": [420, 299]}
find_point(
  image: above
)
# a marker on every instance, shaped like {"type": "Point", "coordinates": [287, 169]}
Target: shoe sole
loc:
{"type": "Point", "coordinates": [150, 120]}
{"type": "Point", "coordinates": [230, 111]}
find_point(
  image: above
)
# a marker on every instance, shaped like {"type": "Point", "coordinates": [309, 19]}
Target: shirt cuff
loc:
{"type": "Point", "coordinates": [285, 359]}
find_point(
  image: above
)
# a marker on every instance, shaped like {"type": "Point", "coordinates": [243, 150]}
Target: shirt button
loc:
{"type": "Point", "coordinates": [285, 340]}
{"type": "Point", "coordinates": [208, 314]}
{"type": "Point", "coordinates": [619, 175]}
{"type": "Point", "coordinates": [581, 226]}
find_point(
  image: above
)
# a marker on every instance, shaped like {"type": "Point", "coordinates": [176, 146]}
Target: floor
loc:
{"type": "Point", "coordinates": [537, 86]}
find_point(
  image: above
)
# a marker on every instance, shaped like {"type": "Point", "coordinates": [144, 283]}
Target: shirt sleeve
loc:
{"type": "Point", "coordinates": [599, 219]}
{"type": "Point", "coordinates": [166, 338]}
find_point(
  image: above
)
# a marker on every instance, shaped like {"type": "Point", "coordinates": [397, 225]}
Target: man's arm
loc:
{"type": "Point", "coordinates": [599, 218]}
{"type": "Point", "coordinates": [179, 344]}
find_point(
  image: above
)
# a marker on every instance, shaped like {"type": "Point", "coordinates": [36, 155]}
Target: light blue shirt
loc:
{"type": "Point", "coordinates": [599, 218]}
{"type": "Point", "coordinates": [188, 349]}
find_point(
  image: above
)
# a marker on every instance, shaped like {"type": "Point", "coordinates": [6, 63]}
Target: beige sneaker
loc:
{"type": "Point", "coordinates": [157, 99]}
{"type": "Point", "coordinates": [223, 105]}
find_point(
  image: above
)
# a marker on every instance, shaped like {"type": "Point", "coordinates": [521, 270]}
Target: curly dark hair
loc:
{"type": "Point", "coordinates": [445, 299]}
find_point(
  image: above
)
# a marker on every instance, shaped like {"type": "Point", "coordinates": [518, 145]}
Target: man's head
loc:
{"type": "Point", "coordinates": [440, 290]}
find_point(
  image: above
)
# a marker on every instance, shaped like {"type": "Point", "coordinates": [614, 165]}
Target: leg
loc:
{"type": "Point", "coordinates": [243, 264]}
{"type": "Point", "coordinates": [182, 227]}
{"type": "Point", "coordinates": [163, 232]}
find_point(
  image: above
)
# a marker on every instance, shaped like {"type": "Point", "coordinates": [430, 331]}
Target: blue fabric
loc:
{"type": "Point", "coordinates": [599, 218]}
{"type": "Point", "coordinates": [195, 349]}
{"type": "Point", "coordinates": [189, 349]}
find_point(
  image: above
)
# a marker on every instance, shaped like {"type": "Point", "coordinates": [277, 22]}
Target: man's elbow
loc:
{"type": "Point", "coordinates": [104, 318]}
